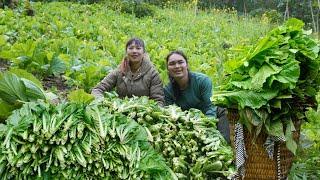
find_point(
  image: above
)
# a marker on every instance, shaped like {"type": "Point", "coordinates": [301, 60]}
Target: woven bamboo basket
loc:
{"type": "Point", "coordinates": [258, 165]}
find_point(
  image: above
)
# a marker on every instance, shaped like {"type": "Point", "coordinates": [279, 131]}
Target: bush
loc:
{"type": "Point", "coordinates": [273, 16]}
{"type": "Point", "coordinates": [138, 8]}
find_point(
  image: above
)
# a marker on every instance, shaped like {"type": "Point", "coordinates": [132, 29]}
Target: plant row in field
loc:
{"type": "Point", "coordinates": [84, 42]}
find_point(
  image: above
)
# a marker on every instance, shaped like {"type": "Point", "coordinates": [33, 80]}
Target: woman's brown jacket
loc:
{"type": "Point", "coordinates": [145, 82]}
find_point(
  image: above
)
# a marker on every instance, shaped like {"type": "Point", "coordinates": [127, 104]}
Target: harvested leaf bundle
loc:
{"type": "Point", "coordinates": [76, 141]}
{"type": "Point", "coordinates": [274, 82]}
{"type": "Point", "coordinates": [189, 141]}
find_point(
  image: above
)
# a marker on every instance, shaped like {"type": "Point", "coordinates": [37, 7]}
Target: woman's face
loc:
{"type": "Point", "coordinates": [135, 53]}
{"type": "Point", "coordinates": [177, 66]}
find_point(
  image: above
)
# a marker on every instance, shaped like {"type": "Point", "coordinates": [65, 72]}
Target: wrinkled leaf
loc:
{"type": "Point", "coordinates": [276, 129]}
{"type": "Point", "coordinates": [80, 96]}
{"type": "Point", "coordinates": [246, 98]}
{"type": "Point", "coordinates": [57, 66]}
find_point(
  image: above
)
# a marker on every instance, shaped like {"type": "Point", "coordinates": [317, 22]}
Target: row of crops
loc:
{"type": "Point", "coordinates": [85, 41]}
{"type": "Point", "coordinates": [69, 45]}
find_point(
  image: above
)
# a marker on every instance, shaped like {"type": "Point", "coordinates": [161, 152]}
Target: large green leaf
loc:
{"type": "Point", "coordinates": [26, 75]}
{"type": "Point", "coordinates": [288, 76]}
{"type": "Point", "coordinates": [24, 49]}
{"type": "Point", "coordinates": [257, 81]}
{"type": "Point", "coordinates": [264, 72]}
{"type": "Point", "coordinates": [294, 24]}
{"type": "Point", "coordinates": [276, 128]}
{"type": "Point", "coordinates": [246, 98]}
{"type": "Point", "coordinates": [33, 92]}
{"type": "Point", "coordinates": [290, 143]}
{"type": "Point", "coordinates": [264, 44]}
{"type": "Point", "coordinates": [57, 66]}
{"type": "Point", "coordinates": [253, 118]}
{"type": "Point", "coordinates": [251, 56]}
{"type": "Point", "coordinates": [307, 46]}
{"type": "Point", "coordinates": [311, 52]}
{"type": "Point", "coordinates": [12, 88]}
{"type": "Point", "coordinates": [245, 84]}
{"type": "Point", "coordinates": [5, 109]}
{"type": "Point", "coordinates": [80, 96]}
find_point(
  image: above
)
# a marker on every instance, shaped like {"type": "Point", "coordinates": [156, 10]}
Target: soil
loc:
{"type": "Point", "coordinates": [4, 65]}
{"type": "Point", "coordinates": [58, 82]}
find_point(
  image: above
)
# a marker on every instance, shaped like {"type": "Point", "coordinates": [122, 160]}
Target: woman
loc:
{"type": "Point", "coordinates": [136, 75]}
{"type": "Point", "coordinates": [192, 90]}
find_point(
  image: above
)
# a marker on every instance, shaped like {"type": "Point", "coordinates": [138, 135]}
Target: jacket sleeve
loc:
{"type": "Point", "coordinates": [156, 88]}
{"type": "Point", "coordinates": [206, 93]}
{"type": "Point", "coordinates": [107, 84]}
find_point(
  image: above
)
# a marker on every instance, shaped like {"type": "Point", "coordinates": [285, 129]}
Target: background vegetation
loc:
{"type": "Point", "coordinates": [75, 44]}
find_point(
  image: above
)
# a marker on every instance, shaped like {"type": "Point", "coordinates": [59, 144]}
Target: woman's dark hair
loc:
{"type": "Point", "coordinates": [175, 86]}
{"type": "Point", "coordinates": [136, 41]}
{"type": "Point", "coordinates": [177, 52]}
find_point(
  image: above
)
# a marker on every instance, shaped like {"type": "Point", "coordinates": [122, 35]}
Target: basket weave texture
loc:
{"type": "Point", "coordinates": [258, 165]}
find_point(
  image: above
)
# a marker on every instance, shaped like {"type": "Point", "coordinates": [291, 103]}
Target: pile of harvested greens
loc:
{"type": "Point", "coordinates": [111, 139]}
{"type": "Point", "coordinates": [73, 141]}
{"type": "Point", "coordinates": [273, 82]}
{"type": "Point", "coordinates": [188, 140]}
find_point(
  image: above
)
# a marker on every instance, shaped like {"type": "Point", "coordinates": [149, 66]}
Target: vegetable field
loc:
{"type": "Point", "coordinates": [85, 41]}
{"type": "Point", "coordinates": [52, 128]}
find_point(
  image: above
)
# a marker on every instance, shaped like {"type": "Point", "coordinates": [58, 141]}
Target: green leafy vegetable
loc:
{"type": "Point", "coordinates": [278, 76]}
{"type": "Point", "coordinates": [15, 90]}
{"type": "Point", "coordinates": [189, 141]}
{"type": "Point", "coordinates": [67, 141]}
{"type": "Point", "coordinates": [80, 96]}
